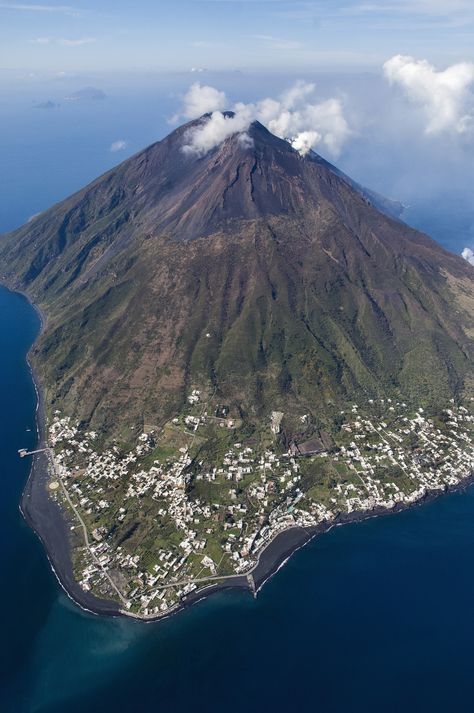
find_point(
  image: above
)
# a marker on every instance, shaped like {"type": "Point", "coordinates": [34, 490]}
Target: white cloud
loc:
{"type": "Point", "coordinates": [61, 9]}
{"type": "Point", "coordinates": [297, 93]}
{"type": "Point", "coordinates": [63, 41]}
{"type": "Point", "coordinates": [305, 140]}
{"type": "Point", "coordinates": [214, 131]}
{"type": "Point", "coordinates": [118, 145]}
{"type": "Point", "coordinates": [444, 96]}
{"type": "Point", "coordinates": [292, 116]}
{"type": "Point", "coordinates": [468, 255]}
{"type": "Point", "coordinates": [201, 99]}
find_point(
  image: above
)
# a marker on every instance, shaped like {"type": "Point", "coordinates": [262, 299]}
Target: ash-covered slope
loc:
{"type": "Point", "coordinates": [164, 190]}
{"type": "Point", "coordinates": [265, 276]}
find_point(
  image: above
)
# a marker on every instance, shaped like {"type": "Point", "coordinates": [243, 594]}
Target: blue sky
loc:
{"type": "Point", "coordinates": [231, 34]}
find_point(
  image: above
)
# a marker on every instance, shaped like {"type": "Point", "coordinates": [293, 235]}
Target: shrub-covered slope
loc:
{"type": "Point", "coordinates": [262, 276]}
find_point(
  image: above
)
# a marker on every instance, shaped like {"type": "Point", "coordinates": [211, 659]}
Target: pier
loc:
{"type": "Point", "coordinates": [24, 452]}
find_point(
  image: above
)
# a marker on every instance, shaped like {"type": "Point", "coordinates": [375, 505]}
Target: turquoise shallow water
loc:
{"type": "Point", "coordinates": [377, 616]}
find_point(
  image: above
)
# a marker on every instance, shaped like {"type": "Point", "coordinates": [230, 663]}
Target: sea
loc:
{"type": "Point", "coordinates": [373, 617]}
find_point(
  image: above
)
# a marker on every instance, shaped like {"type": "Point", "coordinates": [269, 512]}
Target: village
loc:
{"type": "Point", "coordinates": [163, 524]}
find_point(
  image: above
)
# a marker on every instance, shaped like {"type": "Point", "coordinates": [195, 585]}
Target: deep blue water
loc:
{"type": "Point", "coordinates": [372, 617]}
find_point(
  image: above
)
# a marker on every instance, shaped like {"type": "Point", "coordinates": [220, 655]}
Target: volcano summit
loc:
{"type": "Point", "coordinates": [237, 344]}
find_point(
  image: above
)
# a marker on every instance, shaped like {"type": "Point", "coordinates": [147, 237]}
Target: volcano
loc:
{"type": "Point", "coordinates": [267, 277]}
{"type": "Point", "coordinates": [240, 348]}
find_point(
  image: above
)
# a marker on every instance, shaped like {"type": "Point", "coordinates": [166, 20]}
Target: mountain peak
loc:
{"type": "Point", "coordinates": [167, 189]}
{"type": "Point", "coordinates": [248, 260]}
{"type": "Point", "coordinates": [247, 174]}
{"type": "Point", "coordinates": [189, 193]}
{"type": "Point", "coordinates": [239, 137]}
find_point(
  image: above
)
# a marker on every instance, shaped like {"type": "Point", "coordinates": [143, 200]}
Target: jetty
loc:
{"type": "Point", "coordinates": [22, 452]}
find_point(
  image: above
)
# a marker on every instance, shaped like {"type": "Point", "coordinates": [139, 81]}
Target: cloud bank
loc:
{"type": "Point", "coordinates": [292, 116]}
{"type": "Point", "coordinates": [444, 96]}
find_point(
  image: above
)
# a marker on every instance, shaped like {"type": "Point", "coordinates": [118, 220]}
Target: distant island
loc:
{"type": "Point", "coordinates": [240, 349]}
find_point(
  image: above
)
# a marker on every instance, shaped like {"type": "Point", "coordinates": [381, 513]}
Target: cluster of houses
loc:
{"type": "Point", "coordinates": [442, 457]}
{"type": "Point", "coordinates": [223, 515]}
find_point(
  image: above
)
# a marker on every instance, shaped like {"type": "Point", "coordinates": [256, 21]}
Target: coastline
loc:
{"type": "Point", "coordinates": [42, 514]}
{"type": "Point", "coordinates": [45, 517]}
